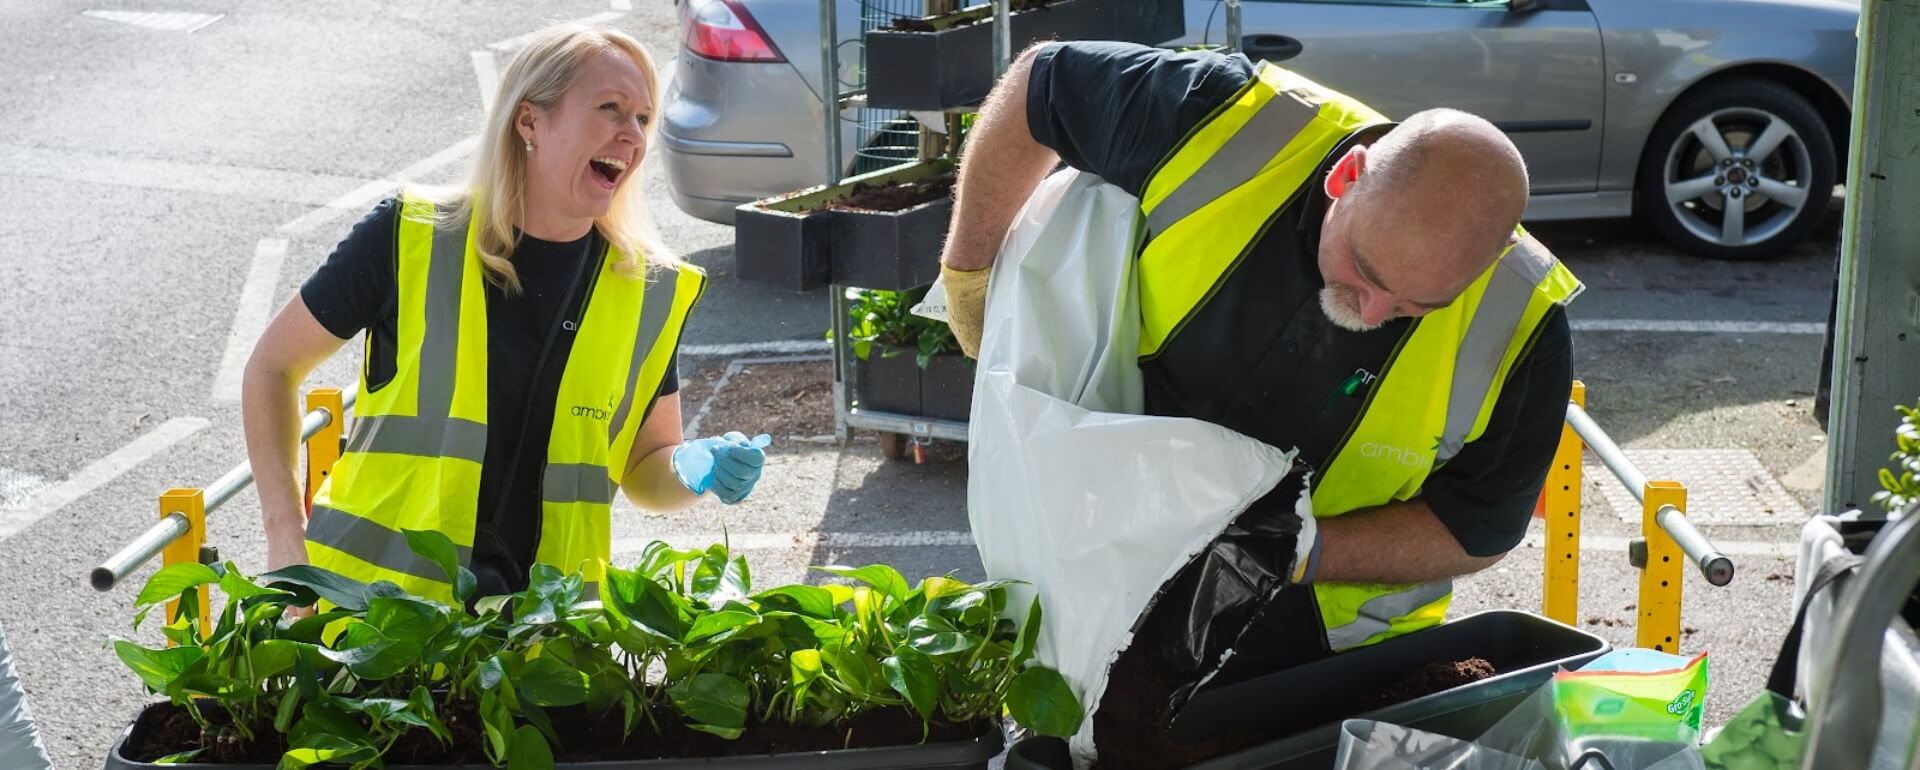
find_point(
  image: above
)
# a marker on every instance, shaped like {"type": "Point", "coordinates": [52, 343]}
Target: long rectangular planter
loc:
{"type": "Point", "coordinates": [960, 755]}
{"type": "Point", "coordinates": [1525, 648]}
{"type": "Point", "coordinates": [946, 387]}
{"type": "Point", "coordinates": [952, 66]}
{"type": "Point", "coordinates": [792, 242]}
{"type": "Point", "coordinates": [887, 383]}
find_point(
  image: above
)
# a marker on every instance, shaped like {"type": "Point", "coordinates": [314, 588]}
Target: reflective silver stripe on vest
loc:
{"type": "Point", "coordinates": [1378, 613]}
{"type": "Point", "coordinates": [576, 483]}
{"type": "Point", "coordinates": [1491, 331]}
{"type": "Point", "coordinates": [419, 437]}
{"type": "Point", "coordinates": [374, 543]}
{"type": "Point", "coordinates": [1263, 136]}
{"type": "Point", "coordinates": [440, 338]}
{"type": "Point", "coordinates": [655, 308]}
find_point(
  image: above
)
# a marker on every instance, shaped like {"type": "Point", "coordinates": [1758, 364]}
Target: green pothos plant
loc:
{"type": "Point", "coordinates": [885, 319]}
{"type": "Point", "coordinates": [1900, 483]}
{"type": "Point", "coordinates": [680, 635]}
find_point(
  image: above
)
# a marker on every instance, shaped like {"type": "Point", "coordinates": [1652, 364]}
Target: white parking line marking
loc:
{"type": "Point", "coordinates": [774, 348]}
{"type": "Point", "coordinates": [250, 316]}
{"type": "Point", "coordinates": [363, 196]}
{"type": "Point", "coordinates": [623, 5]}
{"type": "Point", "coordinates": [487, 74]}
{"type": "Point", "coordinates": [517, 41]}
{"type": "Point", "coordinates": [152, 174]}
{"type": "Point", "coordinates": [103, 470]}
{"type": "Point", "coordinates": [1695, 327]}
{"type": "Point", "coordinates": [772, 541]}
{"type": "Point", "coordinates": [164, 21]}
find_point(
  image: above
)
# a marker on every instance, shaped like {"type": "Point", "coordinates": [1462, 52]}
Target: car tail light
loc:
{"type": "Point", "coordinates": [722, 30]}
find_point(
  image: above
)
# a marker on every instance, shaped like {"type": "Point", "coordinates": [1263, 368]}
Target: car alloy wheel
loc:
{"type": "Point", "coordinates": [1738, 176]}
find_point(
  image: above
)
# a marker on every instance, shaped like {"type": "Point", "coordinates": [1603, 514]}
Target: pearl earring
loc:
{"type": "Point", "coordinates": [529, 145]}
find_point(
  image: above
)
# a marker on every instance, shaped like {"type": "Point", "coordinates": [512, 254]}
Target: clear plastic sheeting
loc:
{"type": "Point", "coordinates": [1529, 738]}
{"type": "Point", "coordinates": [20, 747]}
{"type": "Point", "coordinates": [1070, 489]}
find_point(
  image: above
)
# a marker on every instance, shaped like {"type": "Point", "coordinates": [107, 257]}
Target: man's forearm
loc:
{"type": "Point", "coordinates": [1394, 543]}
{"type": "Point", "coordinates": [1002, 166]}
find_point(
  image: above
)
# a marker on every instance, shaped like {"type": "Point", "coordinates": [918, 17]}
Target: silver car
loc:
{"type": "Point", "coordinates": [1720, 122]}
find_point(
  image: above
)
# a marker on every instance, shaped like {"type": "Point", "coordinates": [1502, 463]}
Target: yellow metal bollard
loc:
{"type": "Point", "coordinates": [323, 449]}
{"type": "Point", "coordinates": [1659, 626]}
{"type": "Point", "coordinates": [1562, 503]}
{"type": "Point", "coordinates": [185, 549]}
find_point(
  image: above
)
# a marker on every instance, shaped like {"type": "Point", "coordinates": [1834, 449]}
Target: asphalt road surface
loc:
{"type": "Point", "coordinates": [171, 173]}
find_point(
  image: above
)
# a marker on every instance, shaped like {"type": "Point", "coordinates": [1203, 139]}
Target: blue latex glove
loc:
{"type": "Point", "coordinates": [728, 465]}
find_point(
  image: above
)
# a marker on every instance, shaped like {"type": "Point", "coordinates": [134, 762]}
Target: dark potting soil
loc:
{"type": "Point", "coordinates": [583, 737]}
{"type": "Point", "coordinates": [1436, 676]}
{"type": "Point", "coordinates": [916, 24]}
{"type": "Point", "coordinates": [894, 196]}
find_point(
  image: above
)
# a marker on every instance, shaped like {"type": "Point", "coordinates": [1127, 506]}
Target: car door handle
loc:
{"type": "Point", "coordinates": [1270, 47]}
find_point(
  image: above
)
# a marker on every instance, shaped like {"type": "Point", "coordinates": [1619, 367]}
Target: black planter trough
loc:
{"type": "Point", "coordinates": [887, 380]}
{"type": "Point", "coordinates": [795, 242]}
{"type": "Point", "coordinates": [951, 66]}
{"type": "Point", "coordinates": [1525, 649]}
{"type": "Point", "coordinates": [946, 387]}
{"type": "Point", "coordinates": [958, 755]}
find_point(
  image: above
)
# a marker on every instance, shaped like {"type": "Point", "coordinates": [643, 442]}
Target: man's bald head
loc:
{"type": "Point", "coordinates": [1424, 210]}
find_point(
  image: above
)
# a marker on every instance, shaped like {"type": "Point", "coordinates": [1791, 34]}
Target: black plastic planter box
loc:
{"type": "Point", "coordinates": [887, 380]}
{"type": "Point", "coordinates": [946, 388]}
{"type": "Point", "coordinates": [791, 242]}
{"type": "Point", "coordinates": [952, 66]}
{"type": "Point", "coordinates": [1305, 705]}
{"type": "Point", "coordinates": [779, 242]}
{"type": "Point", "coordinates": [961, 755]}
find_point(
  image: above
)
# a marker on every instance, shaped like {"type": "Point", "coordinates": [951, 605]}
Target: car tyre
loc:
{"type": "Point", "coordinates": [1753, 147]}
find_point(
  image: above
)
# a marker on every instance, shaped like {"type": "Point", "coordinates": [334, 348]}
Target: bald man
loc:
{"type": "Point", "coordinates": [1319, 278]}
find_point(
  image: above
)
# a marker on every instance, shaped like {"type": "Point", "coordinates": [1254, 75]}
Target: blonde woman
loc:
{"type": "Point", "coordinates": [520, 348]}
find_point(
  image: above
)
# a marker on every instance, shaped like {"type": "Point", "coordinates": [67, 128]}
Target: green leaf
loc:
{"type": "Point", "coordinates": [911, 673]}
{"type": "Point", "coordinates": [935, 636]}
{"type": "Point", "coordinates": [530, 751]}
{"type": "Point", "coordinates": [238, 588]}
{"type": "Point", "coordinates": [328, 719]}
{"type": "Point", "coordinates": [436, 547]}
{"type": "Point", "coordinates": [645, 604]}
{"type": "Point", "coordinates": [856, 669]}
{"type": "Point", "coordinates": [370, 654]}
{"type": "Point", "coordinates": [497, 720]}
{"type": "Point", "coordinates": [658, 559]}
{"type": "Point", "coordinates": [491, 672]}
{"type": "Point", "coordinates": [288, 709]}
{"type": "Point", "coordinates": [308, 629]}
{"type": "Point", "coordinates": [323, 747]}
{"type": "Point", "coordinates": [157, 669]}
{"type": "Point", "coordinates": [729, 733]}
{"type": "Point", "coordinates": [274, 657]}
{"type": "Point", "coordinates": [170, 582]}
{"type": "Point", "coordinates": [736, 582]}
{"type": "Point", "coordinates": [712, 699]}
{"type": "Point", "coordinates": [344, 592]}
{"type": "Point", "coordinates": [1040, 699]}
{"type": "Point", "coordinates": [422, 701]}
{"type": "Point", "coordinates": [548, 682]}
{"type": "Point", "coordinates": [812, 601]}
{"type": "Point", "coordinates": [1029, 634]}
{"type": "Point", "coordinates": [805, 667]}
{"type": "Point", "coordinates": [180, 758]}
{"type": "Point", "coordinates": [716, 624]}
{"type": "Point", "coordinates": [883, 578]}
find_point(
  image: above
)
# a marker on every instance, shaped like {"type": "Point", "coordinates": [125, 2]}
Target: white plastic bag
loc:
{"type": "Point", "coordinates": [1070, 489]}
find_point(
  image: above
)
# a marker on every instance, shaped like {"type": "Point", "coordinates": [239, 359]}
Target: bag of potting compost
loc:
{"type": "Point", "coordinates": [1071, 490]}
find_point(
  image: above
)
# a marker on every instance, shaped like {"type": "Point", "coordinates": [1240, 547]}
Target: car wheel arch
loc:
{"type": "Point", "coordinates": [1828, 101]}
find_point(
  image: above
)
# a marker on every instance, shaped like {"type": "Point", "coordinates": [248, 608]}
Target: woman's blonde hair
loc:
{"type": "Point", "coordinates": [539, 75]}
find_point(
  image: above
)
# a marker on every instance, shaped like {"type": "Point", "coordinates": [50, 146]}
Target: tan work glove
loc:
{"type": "Point", "coordinates": [966, 305]}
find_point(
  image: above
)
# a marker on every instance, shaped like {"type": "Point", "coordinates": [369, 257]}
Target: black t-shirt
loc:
{"type": "Point", "coordinates": [1261, 357]}
{"type": "Point", "coordinates": [355, 290]}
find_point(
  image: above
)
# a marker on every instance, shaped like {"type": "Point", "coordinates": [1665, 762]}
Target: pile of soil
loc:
{"type": "Point", "coordinates": [916, 24]}
{"type": "Point", "coordinates": [894, 196]}
{"type": "Point", "coordinates": [782, 400]}
{"type": "Point", "coordinates": [583, 737]}
{"type": "Point", "coordinates": [1433, 678]}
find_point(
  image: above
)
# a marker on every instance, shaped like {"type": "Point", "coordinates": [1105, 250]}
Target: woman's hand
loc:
{"type": "Point", "coordinates": [729, 466]}
{"type": "Point", "coordinates": [270, 408]}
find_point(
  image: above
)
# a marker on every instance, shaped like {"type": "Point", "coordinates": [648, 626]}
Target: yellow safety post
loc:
{"type": "Point", "coordinates": [185, 549]}
{"type": "Point", "coordinates": [1562, 512]}
{"type": "Point", "coordinates": [1659, 626]}
{"type": "Point", "coordinates": [323, 448]}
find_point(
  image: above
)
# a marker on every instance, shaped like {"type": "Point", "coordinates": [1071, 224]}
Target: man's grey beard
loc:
{"type": "Point", "coordinates": [1343, 308]}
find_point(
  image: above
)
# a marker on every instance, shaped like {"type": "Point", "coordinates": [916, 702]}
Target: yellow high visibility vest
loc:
{"type": "Point", "coordinates": [1206, 206]}
{"type": "Point", "coordinates": [413, 456]}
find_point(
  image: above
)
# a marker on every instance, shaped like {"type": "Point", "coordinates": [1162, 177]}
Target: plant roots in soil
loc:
{"type": "Point", "coordinates": [894, 196]}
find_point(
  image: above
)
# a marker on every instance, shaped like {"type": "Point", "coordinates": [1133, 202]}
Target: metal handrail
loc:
{"type": "Point", "coordinates": [1713, 565]}
{"type": "Point", "coordinates": [174, 525]}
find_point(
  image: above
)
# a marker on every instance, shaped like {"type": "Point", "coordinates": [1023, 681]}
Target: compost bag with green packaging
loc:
{"type": "Point", "coordinates": [1092, 505]}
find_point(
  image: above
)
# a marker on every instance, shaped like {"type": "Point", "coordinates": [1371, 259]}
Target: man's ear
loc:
{"type": "Point", "coordinates": [1346, 171]}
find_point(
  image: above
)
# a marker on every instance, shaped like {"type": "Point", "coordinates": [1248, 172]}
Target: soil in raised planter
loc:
{"type": "Point", "coordinates": [583, 737]}
{"type": "Point", "coordinates": [894, 196]}
{"type": "Point", "coordinates": [1434, 677]}
{"type": "Point", "coordinates": [916, 24]}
